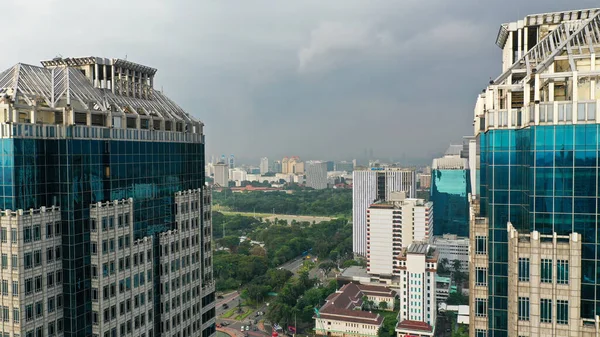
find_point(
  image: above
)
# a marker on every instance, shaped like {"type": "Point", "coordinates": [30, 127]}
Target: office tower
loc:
{"type": "Point", "coordinates": [221, 174]}
{"type": "Point", "coordinates": [264, 165]}
{"type": "Point", "coordinates": [424, 181]}
{"type": "Point", "coordinates": [537, 128]}
{"type": "Point", "coordinates": [417, 315]}
{"type": "Point", "coordinates": [344, 166]}
{"type": "Point", "coordinates": [450, 188]}
{"type": "Point", "coordinates": [375, 184]}
{"type": "Point", "coordinates": [393, 225]}
{"type": "Point", "coordinates": [231, 162]}
{"type": "Point", "coordinates": [330, 166]}
{"type": "Point", "coordinates": [275, 166]}
{"type": "Point", "coordinates": [316, 174]}
{"type": "Point", "coordinates": [87, 143]}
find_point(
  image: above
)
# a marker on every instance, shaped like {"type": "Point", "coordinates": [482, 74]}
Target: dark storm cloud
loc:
{"type": "Point", "coordinates": [320, 79]}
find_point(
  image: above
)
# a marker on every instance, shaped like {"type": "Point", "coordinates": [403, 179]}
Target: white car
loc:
{"type": "Point", "coordinates": [242, 329]}
{"type": "Point", "coordinates": [247, 328]}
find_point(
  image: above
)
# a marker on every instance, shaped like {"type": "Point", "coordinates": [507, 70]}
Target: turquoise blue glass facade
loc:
{"type": "Point", "coordinates": [449, 193]}
{"type": "Point", "coordinates": [74, 173]}
{"type": "Point", "coordinates": [541, 178]}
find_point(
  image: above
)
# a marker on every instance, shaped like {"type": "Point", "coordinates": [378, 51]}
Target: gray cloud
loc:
{"type": "Point", "coordinates": [320, 79]}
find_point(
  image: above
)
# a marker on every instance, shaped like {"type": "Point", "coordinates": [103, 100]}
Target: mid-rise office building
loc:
{"type": "Point", "coordinates": [90, 146]}
{"type": "Point", "coordinates": [316, 174]}
{"type": "Point", "coordinates": [330, 166]}
{"type": "Point", "coordinates": [374, 184]}
{"type": "Point", "coordinates": [535, 215]}
{"type": "Point", "coordinates": [417, 315]}
{"type": "Point", "coordinates": [392, 226]}
{"type": "Point", "coordinates": [221, 174]}
{"type": "Point", "coordinates": [453, 248]}
{"type": "Point", "coordinates": [344, 166]}
{"type": "Point", "coordinates": [275, 166]}
{"type": "Point", "coordinates": [264, 165]}
{"type": "Point", "coordinates": [450, 188]}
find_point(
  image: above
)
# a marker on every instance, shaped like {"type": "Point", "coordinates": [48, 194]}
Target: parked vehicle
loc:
{"type": "Point", "coordinates": [220, 296]}
{"type": "Point", "coordinates": [225, 306]}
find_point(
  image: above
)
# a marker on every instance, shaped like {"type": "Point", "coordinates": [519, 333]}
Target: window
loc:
{"type": "Point", "coordinates": [481, 307]}
{"type": "Point", "coordinates": [4, 261]}
{"type": "Point", "coordinates": [546, 310]}
{"type": "Point", "coordinates": [104, 224]}
{"type": "Point", "coordinates": [13, 235]}
{"type": "Point", "coordinates": [37, 233]}
{"type": "Point", "coordinates": [562, 272]}
{"type": "Point", "coordinates": [546, 272]}
{"type": "Point", "coordinates": [29, 312]}
{"type": "Point", "coordinates": [480, 245]}
{"type": "Point", "coordinates": [50, 254]}
{"type": "Point", "coordinates": [15, 288]}
{"type": "Point", "coordinates": [4, 235]}
{"type": "Point", "coordinates": [4, 287]}
{"type": "Point", "coordinates": [93, 227]}
{"type": "Point", "coordinates": [28, 286]}
{"type": "Point", "coordinates": [51, 304]}
{"type": "Point", "coordinates": [49, 230]}
{"type": "Point", "coordinates": [27, 234]}
{"type": "Point", "coordinates": [28, 258]}
{"type": "Point", "coordinates": [37, 258]}
{"type": "Point", "coordinates": [523, 308]}
{"type": "Point", "coordinates": [14, 261]}
{"type": "Point", "coordinates": [562, 312]}
{"type": "Point", "coordinates": [16, 315]}
{"type": "Point", "coordinates": [50, 280]}
{"type": "Point", "coordinates": [524, 269]}
{"type": "Point", "coordinates": [38, 284]}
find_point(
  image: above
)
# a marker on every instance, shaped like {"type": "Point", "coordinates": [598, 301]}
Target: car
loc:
{"type": "Point", "coordinates": [254, 328]}
{"type": "Point", "coordinates": [225, 306]}
{"type": "Point", "coordinates": [224, 323]}
{"type": "Point", "coordinates": [247, 328]}
{"type": "Point", "coordinates": [220, 296]}
{"type": "Point", "coordinates": [242, 329]}
{"type": "Point", "coordinates": [219, 326]}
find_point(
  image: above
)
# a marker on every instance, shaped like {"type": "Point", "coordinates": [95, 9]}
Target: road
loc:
{"type": "Point", "coordinates": [229, 299]}
{"type": "Point", "coordinates": [293, 265]}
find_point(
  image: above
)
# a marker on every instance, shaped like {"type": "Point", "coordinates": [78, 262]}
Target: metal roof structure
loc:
{"type": "Point", "coordinates": [61, 82]}
{"type": "Point", "coordinates": [571, 37]}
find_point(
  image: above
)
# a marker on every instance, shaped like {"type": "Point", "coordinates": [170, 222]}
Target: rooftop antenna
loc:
{"type": "Point", "coordinates": [125, 57]}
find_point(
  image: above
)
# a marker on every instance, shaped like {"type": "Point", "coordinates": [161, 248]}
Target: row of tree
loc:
{"type": "Point", "coordinates": [327, 202]}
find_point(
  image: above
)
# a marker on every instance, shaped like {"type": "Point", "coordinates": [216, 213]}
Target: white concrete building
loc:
{"type": "Point", "coordinates": [452, 247]}
{"type": "Point", "coordinates": [374, 184]}
{"type": "Point", "coordinates": [221, 174]}
{"type": "Point", "coordinates": [392, 226]}
{"type": "Point", "coordinates": [182, 269]}
{"type": "Point", "coordinates": [316, 174]}
{"type": "Point", "coordinates": [417, 315]}
{"type": "Point", "coordinates": [32, 289]}
{"type": "Point", "coordinates": [264, 165]}
{"type": "Point", "coordinates": [122, 274]}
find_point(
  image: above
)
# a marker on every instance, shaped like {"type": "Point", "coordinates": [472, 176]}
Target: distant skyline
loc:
{"type": "Point", "coordinates": [317, 79]}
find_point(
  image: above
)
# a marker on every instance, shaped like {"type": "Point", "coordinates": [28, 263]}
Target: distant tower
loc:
{"type": "Point", "coordinates": [231, 161]}
{"type": "Point", "coordinates": [223, 160]}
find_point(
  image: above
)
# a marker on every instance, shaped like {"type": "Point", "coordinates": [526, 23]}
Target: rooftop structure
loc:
{"type": "Point", "coordinates": [91, 91]}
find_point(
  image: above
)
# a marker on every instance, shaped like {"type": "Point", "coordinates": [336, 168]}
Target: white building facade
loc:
{"type": "Point", "coordinates": [374, 184]}
{"type": "Point", "coordinates": [316, 174]}
{"type": "Point", "coordinates": [221, 174]}
{"type": "Point", "coordinates": [32, 289]}
{"type": "Point", "coordinates": [392, 226]}
{"type": "Point", "coordinates": [417, 315]}
{"type": "Point", "coordinates": [264, 165]}
{"type": "Point", "coordinates": [452, 248]}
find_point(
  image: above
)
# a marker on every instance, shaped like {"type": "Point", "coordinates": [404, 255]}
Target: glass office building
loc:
{"type": "Point", "coordinates": [534, 225]}
{"type": "Point", "coordinates": [450, 187]}
{"type": "Point", "coordinates": [83, 131]}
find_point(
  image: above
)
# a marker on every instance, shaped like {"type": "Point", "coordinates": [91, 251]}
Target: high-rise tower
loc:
{"type": "Point", "coordinates": [374, 184]}
{"type": "Point", "coordinates": [110, 169]}
{"type": "Point", "coordinates": [534, 245]}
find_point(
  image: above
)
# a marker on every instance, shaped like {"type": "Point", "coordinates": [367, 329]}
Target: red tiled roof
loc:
{"type": "Point", "coordinates": [414, 325]}
{"type": "Point", "coordinates": [376, 290]}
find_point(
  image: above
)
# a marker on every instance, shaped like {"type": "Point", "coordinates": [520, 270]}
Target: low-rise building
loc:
{"type": "Point", "coordinates": [341, 314]}
{"type": "Point", "coordinates": [452, 248]}
{"type": "Point", "coordinates": [443, 286]}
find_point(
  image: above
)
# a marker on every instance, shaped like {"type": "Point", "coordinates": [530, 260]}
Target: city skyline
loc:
{"type": "Point", "coordinates": [352, 76]}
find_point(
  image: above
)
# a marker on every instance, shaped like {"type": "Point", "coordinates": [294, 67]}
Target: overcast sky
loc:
{"type": "Point", "coordinates": [322, 79]}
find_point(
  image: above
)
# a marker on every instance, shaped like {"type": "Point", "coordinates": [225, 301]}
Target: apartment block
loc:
{"type": "Point", "coordinates": [122, 273]}
{"type": "Point", "coordinates": [453, 248]}
{"type": "Point", "coordinates": [32, 277]}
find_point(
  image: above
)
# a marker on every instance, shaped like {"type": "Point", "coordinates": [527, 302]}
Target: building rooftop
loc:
{"type": "Point", "coordinates": [95, 86]}
{"type": "Point", "coordinates": [414, 326]}
{"type": "Point", "coordinates": [341, 305]}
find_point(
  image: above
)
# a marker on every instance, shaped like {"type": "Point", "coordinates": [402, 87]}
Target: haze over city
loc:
{"type": "Point", "coordinates": [322, 79]}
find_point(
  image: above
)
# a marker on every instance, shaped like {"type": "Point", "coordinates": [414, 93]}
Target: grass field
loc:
{"type": "Point", "coordinates": [247, 312]}
{"type": "Point", "coordinates": [229, 313]}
